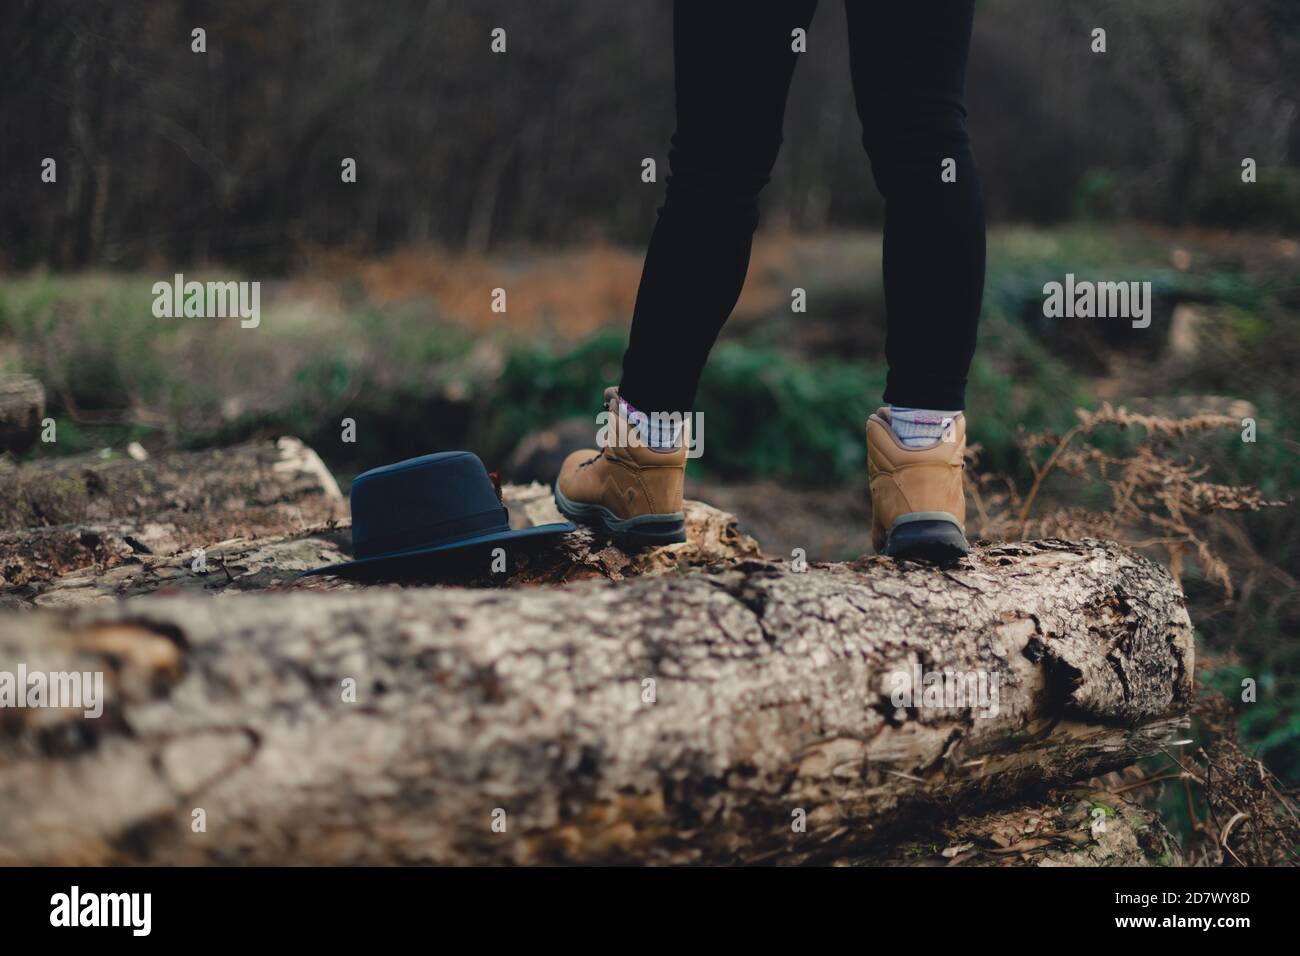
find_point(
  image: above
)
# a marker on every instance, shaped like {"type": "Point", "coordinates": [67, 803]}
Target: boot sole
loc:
{"type": "Point", "coordinates": [640, 531]}
{"type": "Point", "coordinates": [926, 536]}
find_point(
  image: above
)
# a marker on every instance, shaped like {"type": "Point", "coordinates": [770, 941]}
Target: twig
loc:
{"type": "Point", "coordinates": [1227, 831]}
{"type": "Point", "coordinates": [1040, 474]}
{"type": "Point", "coordinates": [1149, 780]}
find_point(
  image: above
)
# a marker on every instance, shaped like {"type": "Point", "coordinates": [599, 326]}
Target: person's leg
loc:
{"type": "Point", "coordinates": [909, 70]}
{"type": "Point", "coordinates": [909, 66]}
{"type": "Point", "coordinates": [733, 63]}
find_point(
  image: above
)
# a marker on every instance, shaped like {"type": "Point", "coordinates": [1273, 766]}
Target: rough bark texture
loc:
{"type": "Point", "coordinates": [66, 515]}
{"type": "Point", "coordinates": [22, 406]}
{"type": "Point", "coordinates": [89, 489]}
{"type": "Point", "coordinates": [769, 735]}
{"type": "Point", "coordinates": [530, 706]}
{"type": "Point", "coordinates": [273, 560]}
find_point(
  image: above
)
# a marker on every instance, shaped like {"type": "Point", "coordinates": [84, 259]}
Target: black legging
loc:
{"type": "Point", "coordinates": [733, 67]}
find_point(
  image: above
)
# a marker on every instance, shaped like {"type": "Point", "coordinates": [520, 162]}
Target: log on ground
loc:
{"type": "Point", "coordinates": [63, 515]}
{"type": "Point", "coordinates": [734, 715]}
{"type": "Point", "coordinates": [22, 407]}
{"type": "Point", "coordinates": [125, 567]}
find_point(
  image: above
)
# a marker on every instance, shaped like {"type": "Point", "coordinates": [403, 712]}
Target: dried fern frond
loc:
{"type": "Point", "coordinates": [1154, 424]}
{"type": "Point", "coordinates": [1156, 500]}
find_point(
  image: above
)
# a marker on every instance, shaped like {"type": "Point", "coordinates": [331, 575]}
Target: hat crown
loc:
{"type": "Point", "coordinates": [423, 502]}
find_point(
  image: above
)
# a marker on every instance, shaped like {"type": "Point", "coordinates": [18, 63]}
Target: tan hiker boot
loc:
{"type": "Point", "coordinates": [630, 491]}
{"type": "Point", "coordinates": [918, 506]}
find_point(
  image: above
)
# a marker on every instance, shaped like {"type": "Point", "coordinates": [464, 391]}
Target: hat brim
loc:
{"type": "Point", "coordinates": [398, 557]}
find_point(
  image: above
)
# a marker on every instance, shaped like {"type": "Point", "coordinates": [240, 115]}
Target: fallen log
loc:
{"type": "Point", "coordinates": [91, 488]}
{"type": "Point", "coordinates": [741, 714]}
{"type": "Point", "coordinates": [124, 568]}
{"type": "Point", "coordinates": [22, 406]}
{"type": "Point", "coordinates": [63, 515]}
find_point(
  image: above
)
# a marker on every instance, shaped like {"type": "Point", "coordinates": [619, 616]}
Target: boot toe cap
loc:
{"type": "Point", "coordinates": [569, 470]}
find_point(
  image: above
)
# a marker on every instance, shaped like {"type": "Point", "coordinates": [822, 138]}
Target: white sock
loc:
{"type": "Point", "coordinates": [918, 427]}
{"type": "Point", "coordinates": [660, 432]}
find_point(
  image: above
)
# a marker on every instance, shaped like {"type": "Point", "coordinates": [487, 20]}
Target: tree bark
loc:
{"type": "Point", "coordinates": [741, 712]}
{"type": "Point", "coordinates": [64, 515]}
{"type": "Point", "coordinates": [127, 558]}
{"type": "Point", "coordinates": [22, 406]}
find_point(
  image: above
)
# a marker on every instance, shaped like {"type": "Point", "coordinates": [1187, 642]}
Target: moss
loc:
{"type": "Point", "coordinates": [912, 851]}
{"type": "Point", "coordinates": [1106, 808]}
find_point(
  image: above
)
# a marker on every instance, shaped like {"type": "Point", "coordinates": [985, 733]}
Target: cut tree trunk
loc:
{"type": "Point", "coordinates": [65, 515]}
{"type": "Point", "coordinates": [87, 489]}
{"type": "Point", "coordinates": [741, 712]}
{"type": "Point", "coordinates": [22, 406]}
{"type": "Point", "coordinates": [273, 559]}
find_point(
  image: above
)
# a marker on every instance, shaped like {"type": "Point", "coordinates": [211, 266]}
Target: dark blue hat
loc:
{"type": "Point", "coordinates": [428, 505]}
